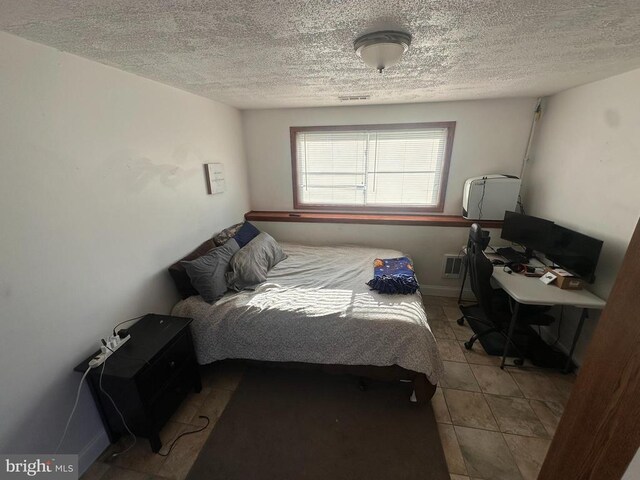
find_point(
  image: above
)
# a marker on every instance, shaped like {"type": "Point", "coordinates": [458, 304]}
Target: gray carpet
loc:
{"type": "Point", "coordinates": [297, 424]}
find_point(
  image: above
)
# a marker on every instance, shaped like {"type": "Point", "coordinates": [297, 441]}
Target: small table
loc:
{"type": "Point", "coordinates": [147, 377]}
{"type": "Point", "coordinates": [531, 291]}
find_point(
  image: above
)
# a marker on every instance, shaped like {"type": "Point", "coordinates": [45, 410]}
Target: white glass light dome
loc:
{"type": "Point", "coordinates": [382, 49]}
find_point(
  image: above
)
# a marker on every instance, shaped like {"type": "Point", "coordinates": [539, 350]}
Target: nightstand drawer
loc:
{"type": "Point", "coordinates": [167, 366]}
{"type": "Point", "coordinates": [171, 396]}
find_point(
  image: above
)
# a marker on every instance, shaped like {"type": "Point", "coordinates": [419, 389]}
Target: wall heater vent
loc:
{"type": "Point", "coordinates": [451, 266]}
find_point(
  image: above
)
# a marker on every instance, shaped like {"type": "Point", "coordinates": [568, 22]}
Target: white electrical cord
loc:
{"type": "Point", "coordinates": [135, 439]}
{"type": "Point", "coordinates": [532, 131]}
{"type": "Point", "coordinates": [525, 160]}
{"type": "Point", "coordinates": [75, 405]}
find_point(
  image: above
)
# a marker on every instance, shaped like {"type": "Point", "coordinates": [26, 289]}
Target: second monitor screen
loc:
{"type": "Point", "coordinates": [531, 232]}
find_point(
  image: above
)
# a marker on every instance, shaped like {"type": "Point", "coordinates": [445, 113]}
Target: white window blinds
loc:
{"type": "Point", "coordinates": [371, 168]}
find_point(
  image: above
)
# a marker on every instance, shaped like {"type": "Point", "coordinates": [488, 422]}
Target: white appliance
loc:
{"type": "Point", "coordinates": [489, 196]}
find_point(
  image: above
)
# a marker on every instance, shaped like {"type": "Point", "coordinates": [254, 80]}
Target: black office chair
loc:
{"type": "Point", "coordinates": [478, 240]}
{"type": "Point", "coordinates": [493, 308]}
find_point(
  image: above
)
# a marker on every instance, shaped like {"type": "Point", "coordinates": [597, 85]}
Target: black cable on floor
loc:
{"type": "Point", "coordinates": [185, 433]}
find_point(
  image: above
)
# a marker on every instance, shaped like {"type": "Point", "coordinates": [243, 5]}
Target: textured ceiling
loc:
{"type": "Point", "coordinates": [252, 53]}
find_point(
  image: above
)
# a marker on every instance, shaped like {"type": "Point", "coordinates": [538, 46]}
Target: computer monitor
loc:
{"type": "Point", "coordinates": [531, 232]}
{"type": "Point", "coordinates": [575, 252]}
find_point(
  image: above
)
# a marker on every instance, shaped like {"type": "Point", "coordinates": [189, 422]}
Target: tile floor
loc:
{"type": "Point", "coordinates": [139, 463]}
{"type": "Point", "coordinates": [494, 424]}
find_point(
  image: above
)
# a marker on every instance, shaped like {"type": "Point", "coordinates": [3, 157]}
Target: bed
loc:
{"type": "Point", "coordinates": [315, 308]}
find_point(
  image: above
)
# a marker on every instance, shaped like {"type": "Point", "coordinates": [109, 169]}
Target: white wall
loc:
{"type": "Point", "coordinates": [490, 137]}
{"type": "Point", "coordinates": [633, 470]}
{"type": "Point", "coordinates": [101, 188]}
{"type": "Point", "coordinates": [585, 171]}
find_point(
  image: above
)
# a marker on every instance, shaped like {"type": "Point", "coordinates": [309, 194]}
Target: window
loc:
{"type": "Point", "coordinates": [398, 167]}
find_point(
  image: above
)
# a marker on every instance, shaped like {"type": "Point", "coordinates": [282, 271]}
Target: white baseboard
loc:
{"type": "Point", "coordinates": [443, 291]}
{"type": "Point", "coordinates": [92, 451]}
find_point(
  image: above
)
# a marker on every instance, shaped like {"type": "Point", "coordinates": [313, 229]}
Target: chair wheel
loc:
{"type": "Point", "coordinates": [468, 345]}
{"type": "Point", "coordinates": [460, 321]}
{"type": "Point", "coordinates": [518, 361]}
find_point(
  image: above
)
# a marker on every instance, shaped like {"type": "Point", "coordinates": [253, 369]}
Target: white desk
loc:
{"type": "Point", "coordinates": [531, 291]}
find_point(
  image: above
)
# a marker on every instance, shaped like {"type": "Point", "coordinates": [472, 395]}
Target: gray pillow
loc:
{"type": "Point", "coordinates": [250, 265]}
{"type": "Point", "coordinates": [207, 273]}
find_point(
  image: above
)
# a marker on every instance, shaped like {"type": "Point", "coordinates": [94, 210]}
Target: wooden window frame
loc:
{"type": "Point", "coordinates": [438, 208]}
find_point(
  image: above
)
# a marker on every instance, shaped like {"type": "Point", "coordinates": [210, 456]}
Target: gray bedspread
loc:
{"type": "Point", "coordinates": [315, 307]}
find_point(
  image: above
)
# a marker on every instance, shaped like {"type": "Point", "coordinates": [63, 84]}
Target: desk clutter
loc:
{"type": "Point", "coordinates": [557, 277]}
{"type": "Point", "coordinates": [561, 279]}
{"type": "Point", "coordinates": [526, 270]}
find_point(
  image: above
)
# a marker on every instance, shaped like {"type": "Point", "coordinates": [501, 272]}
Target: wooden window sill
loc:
{"type": "Point", "coordinates": [368, 218]}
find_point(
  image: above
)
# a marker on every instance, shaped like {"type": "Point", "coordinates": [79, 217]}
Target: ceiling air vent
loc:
{"type": "Point", "coordinates": [353, 98]}
{"type": "Point", "coordinates": [451, 266]}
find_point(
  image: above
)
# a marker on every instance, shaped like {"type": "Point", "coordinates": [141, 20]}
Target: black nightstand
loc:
{"type": "Point", "coordinates": [147, 377]}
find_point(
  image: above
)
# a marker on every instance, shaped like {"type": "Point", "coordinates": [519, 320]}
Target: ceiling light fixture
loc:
{"type": "Point", "coordinates": [382, 49]}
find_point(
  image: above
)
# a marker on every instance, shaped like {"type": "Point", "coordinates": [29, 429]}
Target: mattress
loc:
{"type": "Point", "coordinates": [315, 307]}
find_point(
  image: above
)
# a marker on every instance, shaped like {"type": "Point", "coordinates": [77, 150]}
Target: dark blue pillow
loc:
{"type": "Point", "coordinates": [246, 233]}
